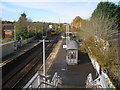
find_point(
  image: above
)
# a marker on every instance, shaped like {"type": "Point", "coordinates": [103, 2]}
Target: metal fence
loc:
{"type": "Point", "coordinates": [41, 81]}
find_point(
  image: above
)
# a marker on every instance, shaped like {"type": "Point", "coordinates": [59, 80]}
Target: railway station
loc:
{"type": "Point", "coordinates": [56, 63]}
{"type": "Point", "coordinates": [60, 44]}
{"type": "Point", "coordinates": [69, 69]}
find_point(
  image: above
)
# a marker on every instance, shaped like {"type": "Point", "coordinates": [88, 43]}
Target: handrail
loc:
{"type": "Point", "coordinates": [36, 75]}
{"type": "Point", "coordinates": [92, 82]}
{"type": "Point", "coordinates": [46, 83]}
{"type": "Point", "coordinates": [55, 82]}
{"type": "Point", "coordinates": [42, 76]}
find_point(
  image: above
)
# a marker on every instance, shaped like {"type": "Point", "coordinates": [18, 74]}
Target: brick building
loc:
{"type": "Point", "coordinates": [7, 30]}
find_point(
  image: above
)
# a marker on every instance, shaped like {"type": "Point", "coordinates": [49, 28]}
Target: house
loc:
{"type": "Point", "coordinates": [7, 30]}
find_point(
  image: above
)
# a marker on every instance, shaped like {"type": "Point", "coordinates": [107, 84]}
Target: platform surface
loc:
{"type": "Point", "coordinates": [72, 75]}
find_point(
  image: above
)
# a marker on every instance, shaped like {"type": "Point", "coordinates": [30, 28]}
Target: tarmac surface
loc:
{"type": "Point", "coordinates": [72, 75]}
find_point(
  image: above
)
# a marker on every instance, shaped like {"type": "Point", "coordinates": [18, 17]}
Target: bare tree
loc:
{"type": "Point", "coordinates": [100, 38]}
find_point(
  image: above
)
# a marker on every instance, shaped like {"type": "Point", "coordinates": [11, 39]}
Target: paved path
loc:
{"type": "Point", "coordinates": [74, 75]}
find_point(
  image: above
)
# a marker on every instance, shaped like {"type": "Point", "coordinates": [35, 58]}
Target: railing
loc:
{"type": "Point", "coordinates": [100, 82]}
{"type": "Point", "coordinates": [46, 83]}
{"type": "Point", "coordinates": [56, 80]}
{"type": "Point", "coordinates": [91, 83]}
{"type": "Point", "coordinates": [41, 81]}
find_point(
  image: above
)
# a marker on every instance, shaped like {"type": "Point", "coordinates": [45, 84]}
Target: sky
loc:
{"type": "Point", "coordinates": [63, 11]}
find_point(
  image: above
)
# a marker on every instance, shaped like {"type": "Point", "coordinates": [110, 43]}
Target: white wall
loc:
{"type": "Point", "coordinates": [7, 48]}
{"type": "Point", "coordinates": [95, 64]}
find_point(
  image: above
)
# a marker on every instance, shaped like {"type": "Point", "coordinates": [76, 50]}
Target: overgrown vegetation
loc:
{"type": "Point", "coordinates": [77, 23]}
{"type": "Point", "coordinates": [6, 40]}
{"type": "Point", "coordinates": [25, 28]}
{"type": "Point", "coordinates": [100, 37]}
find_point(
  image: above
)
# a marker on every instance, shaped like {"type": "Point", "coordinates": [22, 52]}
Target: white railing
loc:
{"type": "Point", "coordinates": [56, 80]}
{"type": "Point", "coordinates": [104, 77]}
{"type": "Point", "coordinates": [90, 83]}
{"type": "Point", "coordinates": [100, 82]}
{"type": "Point", "coordinates": [40, 81]}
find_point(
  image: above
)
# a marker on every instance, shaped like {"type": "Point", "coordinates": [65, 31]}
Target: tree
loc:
{"type": "Point", "coordinates": [100, 39]}
{"type": "Point", "coordinates": [21, 27]}
{"type": "Point", "coordinates": [7, 22]}
{"type": "Point", "coordinates": [109, 10]}
{"type": "Point", "coordinates": [76, 24]}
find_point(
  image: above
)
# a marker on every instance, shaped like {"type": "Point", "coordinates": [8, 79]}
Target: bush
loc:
{"type": "Point", "coordinates": [6, 40]}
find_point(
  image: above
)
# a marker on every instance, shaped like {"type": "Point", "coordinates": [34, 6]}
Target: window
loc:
{"type": "Point", "coordinates": [71, 54]}
{"type": "Point", "coordinates": [8, 30]}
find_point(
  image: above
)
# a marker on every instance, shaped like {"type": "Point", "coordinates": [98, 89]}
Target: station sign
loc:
{"type": "Point", "coordinates": [64, 46]}
{"type": "Point", "coordinates": [50, 26]}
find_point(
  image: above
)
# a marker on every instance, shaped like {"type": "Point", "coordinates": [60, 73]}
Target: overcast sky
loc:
{"type": "Point", "coordinates": [48, 10]}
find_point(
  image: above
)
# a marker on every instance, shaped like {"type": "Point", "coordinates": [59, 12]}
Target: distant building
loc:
{"type": "Point", "coordinates": [3, 32]}
{"type": "Point", "coordinates": [7, 30]}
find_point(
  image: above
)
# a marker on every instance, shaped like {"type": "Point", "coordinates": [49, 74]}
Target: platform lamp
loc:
{"type": "Point", "coordinates": [44, 64]}
{"type": "Point", "coordinates": [43, 37]}
{"type": "Point", "coordinates": [15, 38]}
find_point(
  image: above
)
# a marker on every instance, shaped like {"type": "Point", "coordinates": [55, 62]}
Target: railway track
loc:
{"type": "Point", "coordinates": [23, 75]}
{"type": "Point", "coordinates": [33, 70]}
{"type": "Point", "coordinates": [18, 61]}
{"type": "Point", "coordinates": [13, 67]}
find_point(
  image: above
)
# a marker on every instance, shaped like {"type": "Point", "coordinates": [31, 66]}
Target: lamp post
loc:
{"type": "Point", "coordinates": [15, 37]}
{"type": "Point", "coordinates": [44, 65]}
{"type": "Point", "coordinates": [14, 33]}
{"type": "Point", "coordinates": [67, 34]}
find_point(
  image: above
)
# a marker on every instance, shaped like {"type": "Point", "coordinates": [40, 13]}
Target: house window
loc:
{"type": "Point", "coordinates": [8, 30]}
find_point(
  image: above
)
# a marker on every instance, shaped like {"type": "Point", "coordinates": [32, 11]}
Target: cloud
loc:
{"type": "Point", "coordinates": [6, 9]}
{"type": "Point", "coordinates": [65, 9]}
{"type": "Point", "coordinates": [54, 6]}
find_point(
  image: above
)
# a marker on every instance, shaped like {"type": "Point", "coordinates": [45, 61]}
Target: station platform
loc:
{"type": "Point", "coordinates": [18, 52]}
{"type": "Point", "coordinates": [72, 75]}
